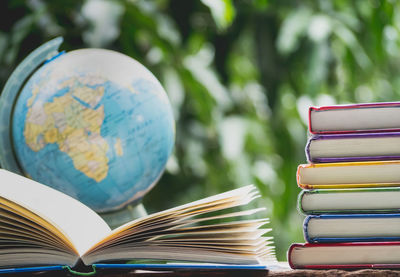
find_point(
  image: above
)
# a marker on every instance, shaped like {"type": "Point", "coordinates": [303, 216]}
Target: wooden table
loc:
{"type": "Point", "coordinates": [340, 273]}
{"type": "Point", "coordinates": [290, 273]}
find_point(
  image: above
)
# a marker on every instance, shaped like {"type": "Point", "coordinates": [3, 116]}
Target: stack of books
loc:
{"type": "Point", "coordinates": [351, 188]}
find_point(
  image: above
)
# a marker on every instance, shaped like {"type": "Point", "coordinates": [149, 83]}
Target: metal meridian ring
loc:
{"type": "Point", "coordinates": [9, 95]}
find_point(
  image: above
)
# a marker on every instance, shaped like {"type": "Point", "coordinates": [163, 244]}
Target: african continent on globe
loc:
{"type": "Point", "coordinates": [96, 125]}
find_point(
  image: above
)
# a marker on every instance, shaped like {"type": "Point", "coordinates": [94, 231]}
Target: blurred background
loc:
{"type": "Point", "coordinates": [240, 76]}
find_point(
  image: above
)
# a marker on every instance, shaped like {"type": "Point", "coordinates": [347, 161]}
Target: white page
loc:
{"type": "Point", "coordinates": [78, 222]}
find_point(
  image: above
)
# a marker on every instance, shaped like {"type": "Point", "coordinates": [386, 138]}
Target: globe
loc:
{"type": "Point", "coordinates": [94, 124]}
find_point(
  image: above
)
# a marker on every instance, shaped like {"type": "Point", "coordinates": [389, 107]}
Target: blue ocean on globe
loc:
{"type": "Point", "coordinates": [96, 125]}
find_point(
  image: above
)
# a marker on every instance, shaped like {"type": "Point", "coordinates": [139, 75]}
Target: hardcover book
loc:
{"type": "Point", "coordinates": [367, 200]}
{"type": "Point", "coordinates": [351, 228]}
{"type": "Point", "coordinates": [368, 117]}
{"type": "Point", "coordinates": [353, 147]}
{"type": "Point", "coordinates": [349, 175]}
{"type": "Point", "coordinates": [344, 255]}
{"type": "Point", "coordinates": [40, 226]}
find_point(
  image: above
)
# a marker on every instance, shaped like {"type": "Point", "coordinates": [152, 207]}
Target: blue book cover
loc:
{"type": "Point", "coordinates": [95, 268]}
{"type": "Point", "coordinates": [334, 228]}
{"type": "Point", "coordinates": [183, 266]}
{"type": "Point", "coordinates": [31, 269]}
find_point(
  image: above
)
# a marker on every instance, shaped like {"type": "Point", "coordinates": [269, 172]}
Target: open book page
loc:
{"type": "Point", "coordinates": [213, 203]}
{"type": "Point", "coordinates": [179, 234]}
{"type": "Point", "coordinates": [78, 223]}
{"type": "Point", "coordinates": [23, 238]}
{"type": "Point", "coordinates": [14, 214]}
{"type": "Point", "coordinates": [237, 197]}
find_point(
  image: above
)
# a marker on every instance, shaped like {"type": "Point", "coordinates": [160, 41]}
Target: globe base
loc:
{"type": "Point", "coordinates": [117, 218]}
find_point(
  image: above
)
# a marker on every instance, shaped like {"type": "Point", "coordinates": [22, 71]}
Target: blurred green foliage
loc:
{"type": "Point", "coordinates": [240, 76]}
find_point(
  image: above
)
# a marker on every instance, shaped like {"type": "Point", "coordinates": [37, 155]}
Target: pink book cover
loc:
{"type": "Point", "coordinates": [349, 106]}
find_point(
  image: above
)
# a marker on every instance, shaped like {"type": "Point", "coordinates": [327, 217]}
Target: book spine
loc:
{"type": "Point", "coordinates": [299, 202]}
{"type": "Point", "coordinates": [298, 174]}
{"type": "Point", "coordinates": [310, 129]}
{"type": "Point", "coordinates": [289, 255]}
{"type": "Point", "coordinates": [307, 149]}
{"type": "Point", "coordinates": [305, 228]}
{"type": "Point", "coordinates": [298, 177]}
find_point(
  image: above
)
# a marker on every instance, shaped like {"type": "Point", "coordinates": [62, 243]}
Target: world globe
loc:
{"type": "Point", "coordinates": [94, 124]}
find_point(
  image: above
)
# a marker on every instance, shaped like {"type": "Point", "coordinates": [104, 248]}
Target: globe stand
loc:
{"type": "Point", "coordinates": [10, 92]}
{"type": "Point", "coordinates": [128, 213]}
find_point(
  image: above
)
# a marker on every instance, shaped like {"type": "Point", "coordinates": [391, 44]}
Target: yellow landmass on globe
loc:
{"type": "Point", "coordinates": [34, 94]}
{"type": "Point", "coordinates": [93, 119]}
{"type": "Point", "coordinates": [118, 147]}
{"type": "Point", "coordinates": [88, 153]}
{"type": "Point", "coordinates": [74, 126]}
{"type": "Point", "coordinates": [51, 136]}
{"type": "Point", "coordinates": [88, 95]}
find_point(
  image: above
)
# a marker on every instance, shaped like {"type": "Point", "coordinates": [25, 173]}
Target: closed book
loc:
{"type": "Point", "coordinates": [349, 175]}
{"type": "Point", "coordinates": [344, 255]}
{"type": "Point", "coordinates": [366, 200]}
{"type": "Point", "coordinates": [353, 147]}
{"type": "Point", "coordinates": [327, 228]}
{"type": "Point", "coordinates": [368, 117]}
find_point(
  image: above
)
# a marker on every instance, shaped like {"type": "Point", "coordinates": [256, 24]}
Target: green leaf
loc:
{"type": "Point", "coordinates": [292, 29]}
{"type": "Point", "coordinates": [222, 11]}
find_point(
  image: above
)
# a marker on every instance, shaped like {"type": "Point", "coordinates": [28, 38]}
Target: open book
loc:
{"type": "Point", "coordinates": [42, 226]}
